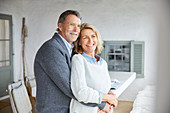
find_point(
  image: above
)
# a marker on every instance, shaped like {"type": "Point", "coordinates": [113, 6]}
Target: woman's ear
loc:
{"type": "Point", "coordinates": [79, 44]}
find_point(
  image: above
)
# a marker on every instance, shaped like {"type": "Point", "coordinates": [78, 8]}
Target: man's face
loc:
{"type": "Point", "coordinates": [70, 29]}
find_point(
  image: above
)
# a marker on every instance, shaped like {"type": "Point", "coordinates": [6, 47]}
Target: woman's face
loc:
{"type": "Point", "coordinates": [88, 41]}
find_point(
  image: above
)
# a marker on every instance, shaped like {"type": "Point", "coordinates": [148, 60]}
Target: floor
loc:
{"type": "Point", "coordinates": [123, 107]}
{"type": "Point", "coordinates": [5, 106]}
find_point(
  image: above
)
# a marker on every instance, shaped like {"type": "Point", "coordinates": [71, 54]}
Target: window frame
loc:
{"type": "Point", "coordinates": [131, 53]}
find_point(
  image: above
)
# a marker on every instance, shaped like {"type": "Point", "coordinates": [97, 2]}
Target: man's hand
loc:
{"type": "Point", "coordinates": [110, 92]}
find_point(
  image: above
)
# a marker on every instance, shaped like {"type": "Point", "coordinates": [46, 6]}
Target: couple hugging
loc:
{"type": "Point", "coordinates": [70, 76]}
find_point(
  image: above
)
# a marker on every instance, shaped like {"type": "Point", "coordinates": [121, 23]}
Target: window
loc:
{"type": "Point", "coordinates": [125, 56]}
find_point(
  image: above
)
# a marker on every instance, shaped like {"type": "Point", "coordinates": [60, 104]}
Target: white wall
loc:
{"type": "Point", "coordinates": [115, 19]}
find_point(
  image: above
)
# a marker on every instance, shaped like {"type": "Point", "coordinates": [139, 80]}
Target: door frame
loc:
{"type": "Point", "coordinates": [9, 18]}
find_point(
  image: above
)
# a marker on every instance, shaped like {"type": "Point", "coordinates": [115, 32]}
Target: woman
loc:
{"type": "Point", "coordinates": [90, 81]}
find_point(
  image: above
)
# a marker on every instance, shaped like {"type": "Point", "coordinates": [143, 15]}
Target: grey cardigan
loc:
{"type": "Point", "coordinates": [52, 69]}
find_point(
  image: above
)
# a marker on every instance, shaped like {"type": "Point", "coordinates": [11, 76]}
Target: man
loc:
{"type": "Point", "coordinates": [52, 66]}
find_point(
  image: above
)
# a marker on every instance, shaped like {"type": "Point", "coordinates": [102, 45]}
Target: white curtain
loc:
{"type": "Point", "coordinates": [4, 42]}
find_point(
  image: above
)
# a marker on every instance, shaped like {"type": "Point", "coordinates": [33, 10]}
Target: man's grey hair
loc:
{"type": "Point", "coordinates": [63, 16]}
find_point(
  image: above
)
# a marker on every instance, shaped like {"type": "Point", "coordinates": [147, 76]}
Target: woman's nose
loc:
{"type": "Point", "coordinates": [90, 40]}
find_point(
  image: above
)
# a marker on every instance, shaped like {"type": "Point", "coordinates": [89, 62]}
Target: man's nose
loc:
{"type": "Point", "coordinates": [76, 29]}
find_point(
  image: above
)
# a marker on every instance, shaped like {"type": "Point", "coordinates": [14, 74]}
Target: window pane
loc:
{"type": "Point", "coordinates": [118, 49]}
{"type": "Point", "coordinates": [111, 49]}
{"type": "Point", "coordinates": [119, 66]}
{"type": "Point", "coordinates": [126, 67]}
{"type": "Point", "coordinates": [126, 58]}
{"type": "Point", "coordinates": [5, 63]}
{"type": "Point", "coordinates": [111, 57]}
{"type": "Point", "coordinates": [126, 50]}
{"type": "Point", "coordinates": [4, 29]}
{"type": "Point", "coordinates": [118, 57]}
{"type": "Point", "coordinates": [4, 50]}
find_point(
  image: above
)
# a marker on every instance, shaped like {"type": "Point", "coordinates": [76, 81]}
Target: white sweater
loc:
{"type": "Point", "coordinates": [86, 81]}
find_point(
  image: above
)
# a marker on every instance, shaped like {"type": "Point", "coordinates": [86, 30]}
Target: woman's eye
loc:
{"type": "Point", "coordinates": [93, 36]}
{"type": "Point", "coordinates": [85, 37]}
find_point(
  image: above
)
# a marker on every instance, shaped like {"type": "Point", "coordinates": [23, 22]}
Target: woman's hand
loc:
{"type": "Point", "coordinates": [100, 111]}
{"type": "Point", "coordinates": [106, 109]}
{"type": "Point", "coordinates": [110, 98]}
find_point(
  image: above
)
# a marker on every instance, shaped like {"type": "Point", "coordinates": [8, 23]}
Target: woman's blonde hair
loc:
{"type": "Point", "coordinates": [99, 47]}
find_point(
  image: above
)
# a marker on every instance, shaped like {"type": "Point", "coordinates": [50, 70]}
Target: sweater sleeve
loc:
{"type": "Point", "coordinates": [79, 87]}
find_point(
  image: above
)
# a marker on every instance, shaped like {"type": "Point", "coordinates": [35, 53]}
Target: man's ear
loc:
{"type": "Point", "coordinates": [60, 26]}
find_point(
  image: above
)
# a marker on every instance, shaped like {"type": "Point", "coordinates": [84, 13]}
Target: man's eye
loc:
{"type": "Point", "coordinates": [78, 26]}
{"type": "Point", "coordinates": [72, 24]}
